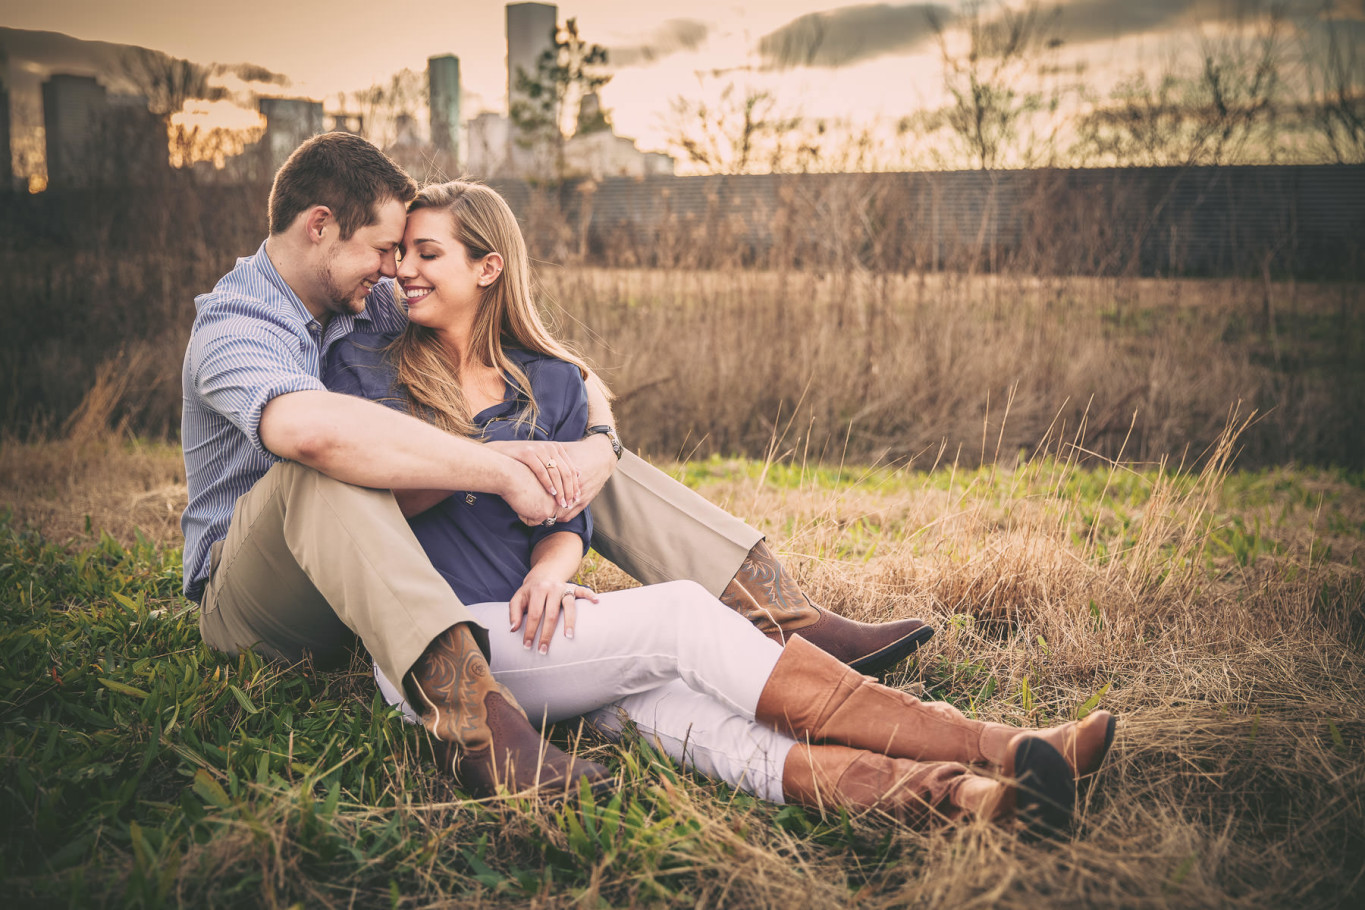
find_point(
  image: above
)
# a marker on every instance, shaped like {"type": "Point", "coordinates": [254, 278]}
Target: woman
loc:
{"type": "Point", "coordinates": [787, 724]}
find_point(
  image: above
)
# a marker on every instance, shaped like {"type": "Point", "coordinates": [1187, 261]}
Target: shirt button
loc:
{"type": "Point", "coordinates": [470, 498]}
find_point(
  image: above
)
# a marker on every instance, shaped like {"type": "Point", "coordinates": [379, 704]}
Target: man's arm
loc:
{"type": "Point", "coordinates": [364, 443]}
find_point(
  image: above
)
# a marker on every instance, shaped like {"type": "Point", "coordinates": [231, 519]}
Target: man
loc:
{"type": "Point", "coordinates": [294, 544]}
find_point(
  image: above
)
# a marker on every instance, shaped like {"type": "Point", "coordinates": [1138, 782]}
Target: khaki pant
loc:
{"type": "Point", "coordinates": [310, 563]}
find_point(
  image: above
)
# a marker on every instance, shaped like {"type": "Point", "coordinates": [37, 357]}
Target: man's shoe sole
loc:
{"type": "Point", "coordinates": [887, 657]}
{"type": "Point", "coordinates": [1045, 798]}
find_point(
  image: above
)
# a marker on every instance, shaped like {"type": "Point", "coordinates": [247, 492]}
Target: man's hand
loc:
{"type": "Point", "coordinates": [526, 495]}
{"type": "Point", "coordinates": [552, 464]}
{"type": "Point", "coordinates": [595, 460]}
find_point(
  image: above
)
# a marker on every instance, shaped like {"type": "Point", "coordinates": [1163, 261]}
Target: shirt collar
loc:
{"type": "Point", "coordinates": [340, 324]}
{"type": "Point", "coordinates": [267, 269]}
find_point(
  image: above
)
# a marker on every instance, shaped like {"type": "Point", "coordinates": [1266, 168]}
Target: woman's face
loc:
{"type": "Point", "coordinates": [441, 283]}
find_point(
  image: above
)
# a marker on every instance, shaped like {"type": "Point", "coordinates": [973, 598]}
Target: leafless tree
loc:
{"type": "Point", "coordinates": [1224, 110]}
{"type": "Point", "coordinates": [167, 83]}
{"type": "Point", "coordinates": [1334, 74]}
{"type": "Point", "coordinates": [546, 113]}
{"type": "Point", "coordinates": [746, 130]}
{"type": "Point", "coordinates": [387, 108]}
{"type": "Point", "coordinates": [993, 82]}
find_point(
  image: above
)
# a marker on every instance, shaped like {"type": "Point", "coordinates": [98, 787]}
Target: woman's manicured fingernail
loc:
{"type": "Point", "coordinates": [544, 649]}
{"type": "Point", "coordinates": [526, 645]}
{"type": "Point", "coordinates": [568, 633]}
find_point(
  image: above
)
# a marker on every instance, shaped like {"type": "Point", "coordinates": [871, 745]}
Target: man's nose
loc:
{"type": "Point", "coordinates": [388, 267]}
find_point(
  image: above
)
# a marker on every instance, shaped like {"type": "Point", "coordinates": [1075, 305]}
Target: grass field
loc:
{"type": "Point", "coordinates": [1217, 612]}
{"type": "Point", "coordinates": [878, 367]}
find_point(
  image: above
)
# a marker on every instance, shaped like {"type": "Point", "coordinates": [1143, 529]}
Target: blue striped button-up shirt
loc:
{"type": "Point", "coordinates": [253, 339]}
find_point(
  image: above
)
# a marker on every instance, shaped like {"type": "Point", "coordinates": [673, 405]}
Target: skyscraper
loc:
{"type": "Point", "coordinates": [288, 122]}
{"type": "Point", "coordinates": [73, 107]}
{"type": "Point", "coordinates": [6, 161]}
{"type": "Point", "coordinates": [531, 31]}
{"type": "Point", "coordinates": [443, 97]}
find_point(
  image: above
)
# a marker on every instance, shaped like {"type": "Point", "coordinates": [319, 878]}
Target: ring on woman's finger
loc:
{"type": "Point", "coordinates": [551, 464]}
{"type": "Point", "coordinates": [569, 591]}
{"type": "Point", "coordinates": [549, 522]}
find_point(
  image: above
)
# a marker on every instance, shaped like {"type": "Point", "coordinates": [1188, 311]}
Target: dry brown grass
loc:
{"type": "Point", "coordinates": [885, 367]}
{"type": "Point", "coordinates": [864, 364]}
{"type": "Point", "coordinates": [1221, 615]}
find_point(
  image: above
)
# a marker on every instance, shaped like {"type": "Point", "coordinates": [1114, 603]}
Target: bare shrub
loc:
{"type": "Point", "coordinates": [870, 366]}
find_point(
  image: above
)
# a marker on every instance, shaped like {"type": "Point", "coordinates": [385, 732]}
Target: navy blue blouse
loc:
{"type": "Point", "coordinates": [475, 540]}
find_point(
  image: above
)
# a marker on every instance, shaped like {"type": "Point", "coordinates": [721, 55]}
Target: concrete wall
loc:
{"type": "Point", "coordinates": [1303, 220]}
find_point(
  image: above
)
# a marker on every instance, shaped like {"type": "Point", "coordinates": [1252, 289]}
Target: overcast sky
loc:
{"type": "Point", "coordinates": [834, 58]}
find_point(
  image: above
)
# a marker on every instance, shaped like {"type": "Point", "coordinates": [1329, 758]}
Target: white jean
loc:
{"type": "Point", "coordinates": [682, 667]}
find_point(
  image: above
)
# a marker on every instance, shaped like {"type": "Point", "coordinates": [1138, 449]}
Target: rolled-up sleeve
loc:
{"type": "Point", "coordinates": [236, 372]}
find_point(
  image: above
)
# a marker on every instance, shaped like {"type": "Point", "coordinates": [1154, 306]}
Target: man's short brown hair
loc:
{"type": "Point", "coordinates": [347, 174]}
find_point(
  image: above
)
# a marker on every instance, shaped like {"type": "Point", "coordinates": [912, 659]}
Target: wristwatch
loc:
{"type": "Point", "coordinates": [610, 433]}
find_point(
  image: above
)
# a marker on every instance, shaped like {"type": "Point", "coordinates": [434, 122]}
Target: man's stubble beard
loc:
{"type": "Point", "coordinates": [338, 301]}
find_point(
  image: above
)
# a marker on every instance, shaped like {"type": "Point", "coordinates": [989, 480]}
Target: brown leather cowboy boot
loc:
{"type": "Point", "coordinates": [765, 593]}
{"type": "Point", "coordinates": [810, 695]}
{"type": "Point", "coordinates": [1082, 743]}
{"type": "Point", "coordinates": [488, 742]}
{"type": "Point", "coordinates": [1038, 791]}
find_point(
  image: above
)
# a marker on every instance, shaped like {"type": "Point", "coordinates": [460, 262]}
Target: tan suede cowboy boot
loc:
{"type": "Point", "coordinates": [1037, 792]}
{"type": "Point", "coordinates": [810, 695]}
{"type": "Point", "coordinates": [765, 593]}
{"type": "Point", "coordinates": [488, 742]}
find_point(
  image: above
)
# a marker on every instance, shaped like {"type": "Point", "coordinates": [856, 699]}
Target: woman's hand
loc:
{"type": "Point", "coordinates": [539, 602]}
{"type": "Point", "coordinates": [551, 463]}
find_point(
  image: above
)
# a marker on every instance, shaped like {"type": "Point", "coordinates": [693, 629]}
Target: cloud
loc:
{"type": "Point", "coordinates": [848, 35]}
{"type": "Point", "coordinates": [673, 36]}
{"type": "Point", "coordinates": [250, 72]}
{"type": "Point", "coordinates": [1082, 21]}
{"type": "Point", "coordinates": [38, 54]}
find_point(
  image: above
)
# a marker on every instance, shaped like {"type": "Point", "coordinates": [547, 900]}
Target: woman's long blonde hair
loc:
{"type": "Point", "coordinates": [507, 313]}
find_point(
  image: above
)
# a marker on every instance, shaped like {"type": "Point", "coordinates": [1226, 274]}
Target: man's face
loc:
{"type": "Point", "coordinates": [351, 267]}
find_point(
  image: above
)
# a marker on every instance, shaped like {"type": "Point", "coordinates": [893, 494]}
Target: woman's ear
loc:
{"type": "Point", "coordinates": [490, 269]}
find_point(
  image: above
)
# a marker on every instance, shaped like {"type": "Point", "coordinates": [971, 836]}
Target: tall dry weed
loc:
{"type": "Point", "coordinates": [902, 368]}
{"type": "Point", "coordinates": [1218, 614]}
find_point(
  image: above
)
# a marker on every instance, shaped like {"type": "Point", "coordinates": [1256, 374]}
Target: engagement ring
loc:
{"type": "Point", "coordinates": [548, 522]}
{"type": "Point", "coordinates": [568, 592]}
{"type": "Point", "coordinates": [551, 464]}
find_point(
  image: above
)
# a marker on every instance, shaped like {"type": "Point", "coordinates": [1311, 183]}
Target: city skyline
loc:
{"type": "Point", "coordinates": [850, 61]}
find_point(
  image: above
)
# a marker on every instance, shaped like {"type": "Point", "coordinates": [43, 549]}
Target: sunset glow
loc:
{"type": "Point", "coordinates": [862, 72]}
{"type": "Point", "coordinates": [212, 131]}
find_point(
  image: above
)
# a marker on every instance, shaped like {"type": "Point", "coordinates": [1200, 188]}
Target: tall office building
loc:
{"type": "Point", "coordinates": [95, 137]}
{"type": "Point", "coordinates": [73, 108]}
{"type": "Point", "coordinates": [288, 122]}
{"type": "Point", "coordinates": [6, 161]}
{"type": "Point", "coordinates": [531, 31]}
{"type": "Point", "coordinates": [443, 97]}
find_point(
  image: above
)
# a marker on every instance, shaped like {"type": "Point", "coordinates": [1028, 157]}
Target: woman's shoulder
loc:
{"type": "Point", "coordinates": [357, 365]}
